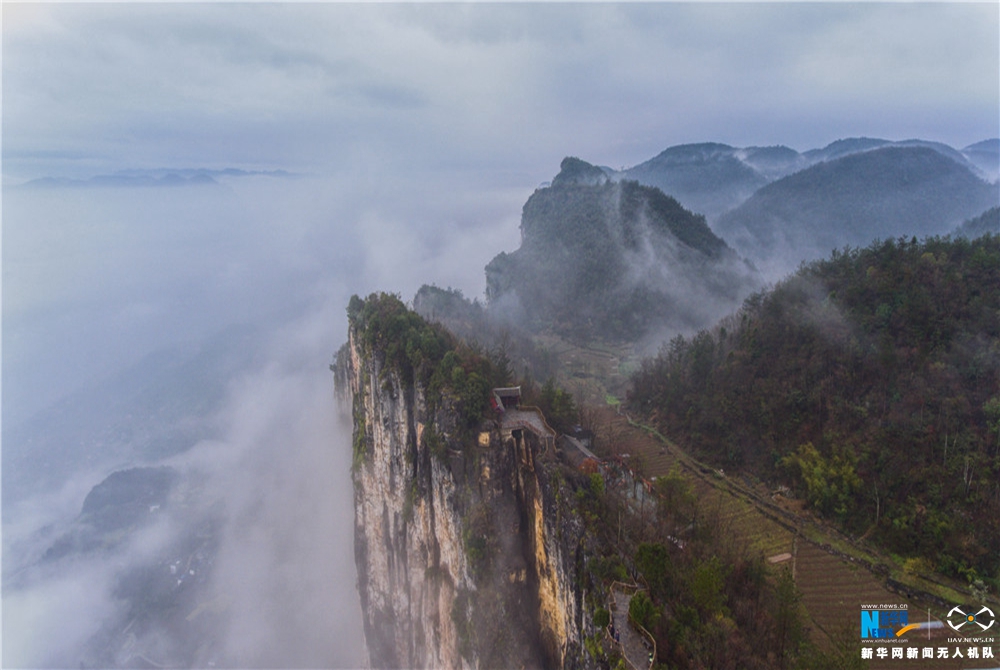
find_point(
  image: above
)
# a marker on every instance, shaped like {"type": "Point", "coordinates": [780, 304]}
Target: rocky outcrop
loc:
{"type": "Point", "coordinates": [613, 261]}
{"type": "Point", "coordinates": [467, 552]}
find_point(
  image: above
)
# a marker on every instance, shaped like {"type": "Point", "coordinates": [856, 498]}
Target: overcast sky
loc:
{"type": "Point", "coordinates": [423, 129]}
{"type": "Point", "coordinates": [419, 131]}
{"type": "Point", "coordinates": [508, 89]}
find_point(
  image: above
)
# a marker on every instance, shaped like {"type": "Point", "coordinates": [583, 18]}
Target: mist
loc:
{"type": "Point", "coordinates": [192, 327]}
{"type": "Point", "coordinates": [153, 267]}
{"type": "Point", "coordinates": [275, 485]}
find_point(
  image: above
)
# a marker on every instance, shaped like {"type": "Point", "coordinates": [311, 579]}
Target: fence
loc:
{"type": "Point", "coordinates": [631, 590]}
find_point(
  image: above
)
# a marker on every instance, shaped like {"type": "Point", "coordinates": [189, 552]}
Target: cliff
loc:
{"type": "Point", "coordinates": [613, 261]}
{"type": "Point", "coordinates": [467, 552]}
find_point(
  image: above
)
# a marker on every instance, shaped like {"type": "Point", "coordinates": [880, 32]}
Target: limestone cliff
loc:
{"type": "Point", "coordinates": [467, 554]}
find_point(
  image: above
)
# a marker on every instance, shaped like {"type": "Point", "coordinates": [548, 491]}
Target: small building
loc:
{"type": "Point", "coordinates": [577, 455]}
{"type": "Point", "coordinates": [583, 436]}
{"type": "Point", "coordinates": [506, 398]}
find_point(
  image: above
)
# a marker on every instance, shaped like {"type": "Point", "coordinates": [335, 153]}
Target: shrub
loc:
{"type": "Point", "coordinates": [642, 611]}
{"type": "Point", "coordinates": [602, 618]}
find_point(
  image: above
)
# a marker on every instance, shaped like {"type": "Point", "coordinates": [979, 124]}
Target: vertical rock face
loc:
{"type": "Point", "coordinates": [466, 555]}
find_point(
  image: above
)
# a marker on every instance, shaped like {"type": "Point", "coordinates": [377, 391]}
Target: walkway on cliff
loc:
{"type": "Point", "coordinates": [632, 643]}
{"type": "Point", "coordinates": [529, 418]}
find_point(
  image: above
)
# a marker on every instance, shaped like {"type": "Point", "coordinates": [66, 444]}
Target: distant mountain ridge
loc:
{"type": "Point", "coordinates": [894, 190]}
{"type": "Point", "coordinates": [155, 178]}
{"type": "Point", "coordinates": [985, 155]}
{"type": "Point", "coordinates": [706, 178]}
{"type": "Point", "coordinates": [611, 253]}
{"type": "Point", "coordinates": [712, 178]}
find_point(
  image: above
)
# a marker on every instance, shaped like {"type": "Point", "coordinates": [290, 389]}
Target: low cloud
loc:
{"type": "Point", "coordinates": [263, 511]}
{"type": "Point", "coordinates": [279, 583]}
{"type": "Point", "coordinates": [285, 564]}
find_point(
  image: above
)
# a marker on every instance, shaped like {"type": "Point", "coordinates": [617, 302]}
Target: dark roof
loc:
{"type": "Point", "coordinates": [510, 392]}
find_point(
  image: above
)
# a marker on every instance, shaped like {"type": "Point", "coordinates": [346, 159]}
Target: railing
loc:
{"type": "Point", "coordinates": [632, 589]}
{"type": "Point", "coordinates": [541, 417]}
{"type": "Point", "coordinates": [652, 640]}
{"type": "Point", "coordinates": [537, 424]}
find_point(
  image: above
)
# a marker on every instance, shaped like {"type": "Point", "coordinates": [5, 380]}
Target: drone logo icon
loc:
{"type": "Point", "coordinates": [958, 617]}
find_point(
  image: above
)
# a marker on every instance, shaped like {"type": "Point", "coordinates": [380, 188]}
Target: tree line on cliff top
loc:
{"type": "Point", "coordinates": [425, 352]}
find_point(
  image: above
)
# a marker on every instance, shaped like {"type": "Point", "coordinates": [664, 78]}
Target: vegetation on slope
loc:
{"type": "Point", "coordinates": [471, 322]}
{"type": "Point", "coordinates": [710, 600]}
{"type": "Point", "coordinates": [870, 381]}
{"type": "Point", "coordinates": [895, 190]}
{"type": "Point", "coordinates": [464, 369]}
{"type": "Point", "coordinates": [426, 353]}
{"type": "Point", "coordinates": [986, 223]}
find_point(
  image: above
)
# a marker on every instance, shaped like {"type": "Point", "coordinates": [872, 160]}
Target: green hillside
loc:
{"type": "Point", "coordinates": [870, 382]}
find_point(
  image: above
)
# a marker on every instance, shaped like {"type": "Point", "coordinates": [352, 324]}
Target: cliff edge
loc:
{"type": "Point", "coordinates": [467, 552]}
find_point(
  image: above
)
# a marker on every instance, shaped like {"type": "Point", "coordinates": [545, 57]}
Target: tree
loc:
{"type": "Point", "coordinates": [991, 408]}
{"type": "Point", "coordinates": [788, 624]}
{"type": "Point", "coordinates": [707, 586]}
{"type": "Point", "coordinates": [558, 406]}
{"type": "Point", "coordinates": [675, 494]}
{"type": "Point", "coordinates": [831, 484]}
{"type": "Point", "coordinates": [642, 610]}
{"type": "Point", "coordinates": [653, 562]}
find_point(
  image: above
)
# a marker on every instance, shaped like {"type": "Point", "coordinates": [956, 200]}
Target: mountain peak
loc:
{"type": "Point", "coordinates": [579, 172]}
{"type": "Point", "coordinates": [614, 261]}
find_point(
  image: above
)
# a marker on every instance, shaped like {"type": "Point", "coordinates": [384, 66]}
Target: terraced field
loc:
{"type": "Point", "coordinates": [742, 520]}
{"type": "Point", "coordinates": [833, 588]}
{"type": "Point", "coordinates": [589, 373]}
{"type": "Point", "coordinates": [833, 591]}
{"type": "Point", "coordinates": [734, 514]}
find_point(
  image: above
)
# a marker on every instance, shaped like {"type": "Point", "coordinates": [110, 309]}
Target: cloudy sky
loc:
{"type": "Point", "coordinates": [509, 89]}
{"type": "Point", "coordinates": [416, 132]}
{"type": "Point", "coordinates": [417, 124]}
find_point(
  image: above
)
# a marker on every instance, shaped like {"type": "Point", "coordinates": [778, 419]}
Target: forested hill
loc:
{"type": "Point", "coordinates": [613, 260]}
{"type": "Point", "coordinates": [852, 200]}
{"type": "Point", "coordinates": [987, 222]}
{"type": "Point", "coordinates": [870, 382]}
{"type": "Point", "coordinates": [712, 178]}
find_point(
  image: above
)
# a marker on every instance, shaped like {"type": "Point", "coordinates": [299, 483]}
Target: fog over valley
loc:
{"type": "Point", "coordinates": [195, 333]}
{"type": "Point", "coordinates": [192, 193]}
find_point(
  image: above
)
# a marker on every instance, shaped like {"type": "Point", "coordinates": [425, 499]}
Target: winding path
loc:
{"type": "Point", "coordinates": [633, 648]}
